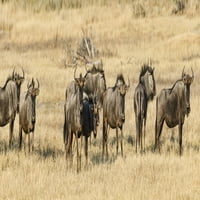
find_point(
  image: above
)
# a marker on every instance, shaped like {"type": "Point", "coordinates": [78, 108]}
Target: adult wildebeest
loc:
{"type": "Point", "coordinates": [72, 115]}
{"type": "Point", "coordinates": [27, 114]}
{"type": "Point", "coordinates": [144, 92]}
{"type": "Point", "coordinates": [114, 111]}
{"type": "Point", "coordinates": [9, 101]}
{"type": "Point", "coordinates": [172, 105]}
{"type": "Point", "coordinates": [79, 114]}
{"type": "Point", "coordinates": [95, 86]}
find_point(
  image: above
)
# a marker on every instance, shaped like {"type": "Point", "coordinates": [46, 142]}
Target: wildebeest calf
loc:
{"type": "Point", "coordinates": [27, 114]}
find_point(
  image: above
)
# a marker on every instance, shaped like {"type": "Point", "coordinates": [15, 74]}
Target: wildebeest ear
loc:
{"type": "Point", "coordinates": [37, 91]}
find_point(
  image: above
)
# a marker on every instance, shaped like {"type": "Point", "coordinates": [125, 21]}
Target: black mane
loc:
{"type": "Point", "coordinates": [10, 78]}
{"type": "Point", "coordinates": [174, 85]}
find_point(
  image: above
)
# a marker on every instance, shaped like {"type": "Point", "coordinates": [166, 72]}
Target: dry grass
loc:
{"type": "Point", "coordinates": [36, 41]}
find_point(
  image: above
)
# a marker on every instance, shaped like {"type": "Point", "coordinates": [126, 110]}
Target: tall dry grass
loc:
{"type": "Point", "coordinates": [36, 41]}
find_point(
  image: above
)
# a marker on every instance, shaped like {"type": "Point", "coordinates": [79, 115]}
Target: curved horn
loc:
{"type": "Point", "coordinates": [192, 74]}
{"type": "Point", "coordinates": [75, 73]}
{"type": "Point", "coordinates": [23, 72]}
{"type": "Point", "coordinates": [13, 72]}
{"type": "Point", "coordinates": [128, 83]}
{"type": "Point", "coordinates": [28, 84]}
{"type": "Point", "coordinates": [38, 84]}
{"type": "Point", "coordinates": [183, 72]}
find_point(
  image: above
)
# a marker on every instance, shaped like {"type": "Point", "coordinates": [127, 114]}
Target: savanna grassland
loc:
{"type": "Point", "coordinates": [35, 34]}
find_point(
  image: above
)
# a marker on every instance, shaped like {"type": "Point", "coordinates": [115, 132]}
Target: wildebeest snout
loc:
{"type": "Point", "coordinates": [123, 118]}
{"type": "Point", "coordinates": [188, 108]}
{"type": "Point", "coordinates": [33, 120]}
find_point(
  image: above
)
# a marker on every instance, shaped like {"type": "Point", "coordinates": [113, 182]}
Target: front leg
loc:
{"type": "Point", "coordinates": [122, 138]}
{"type": "Point", "coordinates": [20, 137]}
{"type": "Point", "coordinates": [11, 133]}
{"type": "Point", "coordinates": [32, 141]}
{"type": "Point", "coordinates": [180, 126]}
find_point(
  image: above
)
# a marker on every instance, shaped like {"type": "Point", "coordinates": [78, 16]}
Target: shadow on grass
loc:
{"type": "Point", "coordinates": [48, 152]}
{"type": "Point", "coordinates": [97, 159]}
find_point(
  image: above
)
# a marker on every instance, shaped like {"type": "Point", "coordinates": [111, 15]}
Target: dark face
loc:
{"type": "Point", "coordinates": [18, 80]}
{"type": "Point", "coordinates": [150, 84]}
{"type": "Point", "coordinates": [121, 103]}
{"type": "Point", "coordinates": [33, 92]}
{"type": "Point", "coordinates": [187, 80]}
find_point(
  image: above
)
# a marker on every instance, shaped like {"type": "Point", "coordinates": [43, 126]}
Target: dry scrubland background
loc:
{"type": "Point", "coordinates": [34, 34]}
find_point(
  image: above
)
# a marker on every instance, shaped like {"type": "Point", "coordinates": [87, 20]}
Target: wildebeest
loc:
{"type": "Point", "coordinates": [114, 111]}
{"type": "Point", "coordinates": [27, 114]}
{"type": "Point", "coordinates": [79, 114]}
{"type": "Point", "coordinates": [145, 91]}
{"type": "Point", "coordinates": [95, 86]}
{"type": "Point", "coordinates": [9, 101]}
{"type": "Point", "coordinates": [172, 105]}
{"type": "Point", "coordinates": [72, 114]}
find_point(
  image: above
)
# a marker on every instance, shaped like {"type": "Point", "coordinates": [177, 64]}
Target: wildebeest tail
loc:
{"type": "Point", "coordinates": [65, 135]}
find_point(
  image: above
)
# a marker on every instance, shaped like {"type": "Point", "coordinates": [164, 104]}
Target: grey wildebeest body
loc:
{"type": "Point", "coordinates": [72, 113]}
{"type": "Point", "coordinates": [94, 87]}
{"type": "Point", "coordinates": [9, 101]}
{"type": "Point", "coordinates": [172, 105]}
{"type": "Point", "coordinates": [79, 118]}
{"type": "Point", "coordinates": [114, 112]}
{"type": "Point", "coordinates": [27, 114]}
{"type": "Point", "coordinates": [145, 91]}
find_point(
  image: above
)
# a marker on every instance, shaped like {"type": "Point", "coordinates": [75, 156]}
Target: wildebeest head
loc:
{"type": "Point", "coordinates": [33, 92]}
{"type": "Point", "coordinates": [95, 83]}
{"type": "Point", "coordinates": [147, 79]}
{"type": "Point", "coordinates": [187, 80]}
{"type": "Point", "coordinates": [122, 87]}
{"type": "Point", "coordinates": [18, 80]}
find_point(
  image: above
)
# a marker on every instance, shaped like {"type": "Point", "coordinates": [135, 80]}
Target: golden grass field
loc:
{"type": "Point", "coordinates": [36, 41]}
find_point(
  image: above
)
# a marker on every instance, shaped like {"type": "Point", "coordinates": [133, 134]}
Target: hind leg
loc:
{"type": "Point", "coordinates": [122, 138]}
{"type": "Point", "coordinates": [117, 138]}
{"type": "Point", "coordinates": [137, 134]}
{"type": "Point", "coordinates": [11, 133]}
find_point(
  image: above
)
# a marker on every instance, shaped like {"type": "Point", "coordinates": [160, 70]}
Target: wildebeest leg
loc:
{"type": "Point", "coordinates": [180, 126]}
{"type": "Point", "coordinates": [11, 133]}
{"type": "Point", "coordinates": [144, 131]}
{"type": "Point", "coordinates": [137, 133]}
{"type": "Point", "coordinates": [20, 137]}
{"type": "Point", "coordinates": [77, 151]}
{"type": "Point", "coordinates": [158, 131]}
{"type": "Point", "coordinates": [122, 138]}
{"type": "Point", "coordinates": [32, 141]}
{"type": "Point", "coordinates": [117, 141]}
{"type": "Point", "coordinates": [29, 143]}
{"type": "Point", "coordinates": [140, 134]}
{"type": "Point", "coordinates": [104, 137]}
{"type": "Point", "coordinates": [81, 150]}
{"type": "Point", "coordinates": [68, 144]}
{"type": "Point", "coordinates": [25, 138]}
{"type": "Point", "coordinates": [86, 149]}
